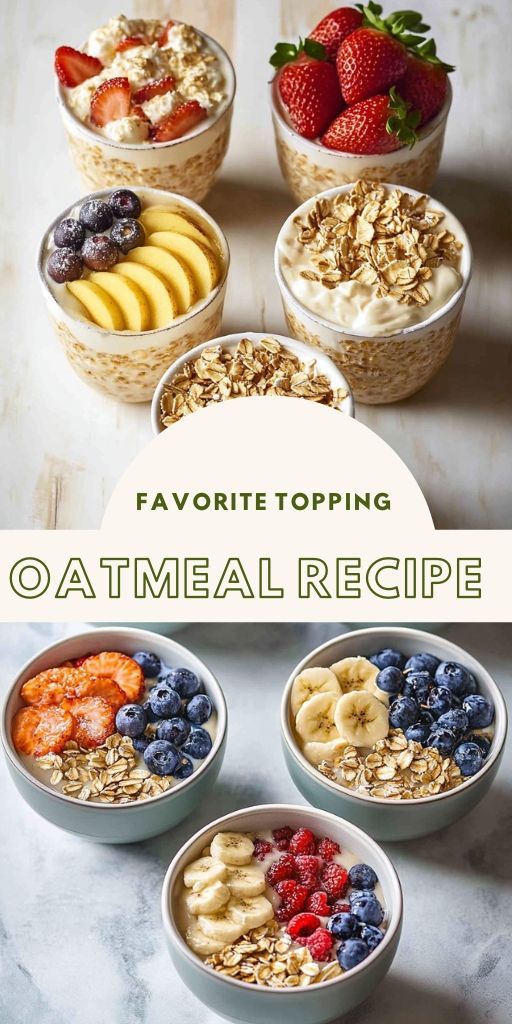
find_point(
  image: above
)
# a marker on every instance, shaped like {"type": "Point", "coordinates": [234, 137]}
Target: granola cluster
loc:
{"type": "Point", "coordinates": [266, 956]}
{"type": "Point", "coordinates": [110, 774]}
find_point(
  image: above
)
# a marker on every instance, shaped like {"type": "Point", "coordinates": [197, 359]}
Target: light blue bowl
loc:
{"type": "Point", "coordinates": [392, 819]}
{"type": "Point", "coordinates": [125, 823]}
{"type": "Point", "coordinates": [236, 1000]}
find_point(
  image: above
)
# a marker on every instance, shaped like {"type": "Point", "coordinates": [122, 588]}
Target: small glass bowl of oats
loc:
{"type": "Point", "coordinates": [345, 755]}
{"type": "Point", "coordinates": [98, 767]}
{"type": "Point", "coordinates": [301, 987]}
{"type": "Point", "coordinates": [247, 365]}
{"type": "Point", "coordinates": [147, 102]}
{"type": "Point", "coordinates": [376, 276]}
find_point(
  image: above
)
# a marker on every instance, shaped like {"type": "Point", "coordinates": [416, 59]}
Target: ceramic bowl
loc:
{"type": "Point", "coordinates": [382, 368]}
{"type": "Point", "coordinates": [309, 168]}
{"type": "Point", "coordinates": [306, 353]}
{"type": "Point", "coordinates": [317, 1004]}
{"type": "Point", "coordinates": [393, 819]}
{"type": "Point", "coordinates": [125, 823]}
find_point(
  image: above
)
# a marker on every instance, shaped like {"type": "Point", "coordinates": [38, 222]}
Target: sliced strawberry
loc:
{"type": "Point", "coordinates": [111, 101]}
{"type": "Point", "coordinates": [93, 720]}
{"type": "Point", "coordinates": [163, 38]}
{"type": "Point", "coordinates": [78, 662]}
{"type": "Point", "coordinates": [129, 42]}
{"type": "Point", "coordinates": [41, 730]}
{"type": "Point", "coordinates": [96, 686]}
{"type": "Point", "coordinates": [74, 67]}
{"type": "Point", "coordinates": [119, 667]}
{"type": "Point", "coordinates": [49, 687]}
{"type": "Point", "coordinates": [139, 112]}
{"type": "Point", "coordinates": [156, 88]}
{"type": "Point", "coordinates": [181, 121]}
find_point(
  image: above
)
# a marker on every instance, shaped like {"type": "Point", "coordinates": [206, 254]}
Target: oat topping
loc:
{"type": "Point", "coordinates": [266, 956]}
{"type": "Point", "coordinates": [265, 369]}
{"type": "Point", "coordinates": [110, 774]}
{"type": "Point", "coordinates": [387, 239]}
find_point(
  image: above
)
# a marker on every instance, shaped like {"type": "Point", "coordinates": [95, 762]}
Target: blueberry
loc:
{"type": "Point", "coordinates": [469, 758]}
{"type": "Point", "coordinates": [352, 953]}
{"type": "Point", "coordinates": [368, 910]}
{"type": "Point", "coordinates": [183, 681]}
{"type": "Point", "coordinates": [372, 936]}
{"type": "Point", "coordinates": [164, 701]}
{"type": "Point", "coordinates": [358, 894]}
{"type": "Point", "coordinates": [418, 732]}
{"type": "Point", "coordinates": [199, 709]}
{"type": "Point", "coordinates": [131, 720]}
{"type": "Point", "coordinates": [479, 710]}
{"type": "Point", "coordinates": [343, 926]}
{"type": "Point", "coordinates": [184, 769]}
{"type": "Point", "coordinates": [442, 740]}
{"type": "Point", "coordinates": [149, 663]}
{"type": "Point", "coordinates": [127, 234]}
{"type": "Point", "coordinates": [473, 685]}
{"type": "Point", "coordinates": [417, 686]}
{"type": "Point", "coordinates": [124, 203]}
{"type": "Point", "coordinates": [439, 700]}
{"type": "Point", "coordinates": [423, 663]}
{"type": "Point", "coordinates": [453, 676]}
{"type": "Point", "coordinates": [175, 730]}
{"type": "Point", "coordinates": [390, 680]}
{"type": "Point", "coordinates": [385, 658]}
{"type": "Point", "coordinates": [161, 757]}
{"type": "Point", "coordinates": [70, 233]}
{"type": "Point", "coordinates": [481, 741]}
{"type": "Point", "coordinates": [95, 215]}
{"type": "Point", "coordinates": [403, 713]}
{"type": "Point", "coordinates": [99, 252]}
{"type": "Point", "coordinates": [140, 743]}
{"type": "Point", "coordinates": [456, 720]}
{"type": "Point", "coordinates": [64, 265]}
{"type": "Point", "coordinates": [150, 714]}
{"type": "Point", "coordinates": [198, 744]}
{"type": "Point", "coordinates": [362, 876]}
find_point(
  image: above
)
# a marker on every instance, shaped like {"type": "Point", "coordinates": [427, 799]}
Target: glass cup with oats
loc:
{"type": "Point", "coordinates": [375, 275]}
{"type": "Point", "coordinates": [147, 102]}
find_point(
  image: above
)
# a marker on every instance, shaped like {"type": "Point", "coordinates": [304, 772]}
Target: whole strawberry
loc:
{"type": "Point", "coordinates": [425, 82]}
{"type": "Point", "coordinates": [335, 27]}
{"type": "Point", "coordinates": [368, 62]}
{"type": "Point", "coordinates": [308, 86]}
{"type": "Point", "coordinates": [379, 124]}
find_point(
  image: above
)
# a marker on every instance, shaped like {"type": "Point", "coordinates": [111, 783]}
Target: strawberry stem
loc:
{"type": "Point", "coordinates": [403, 121]}
{"type": "Point", "coordinates": [285, 53]}
{"type": "Point", "coordinates": [405, 26]}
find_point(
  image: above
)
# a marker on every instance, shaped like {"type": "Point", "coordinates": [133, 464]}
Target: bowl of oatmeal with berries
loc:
{"type": "Point", "coordinates": [146, 102]}
{"type": "Point", "coordinates": [278, 904]}
{"type": "Point", "coordinates": [114, 734]}
{"type": "Point", "coordinates": [400, 731]}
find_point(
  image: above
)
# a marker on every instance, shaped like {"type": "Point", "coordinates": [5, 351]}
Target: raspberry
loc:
{"type": "Point", "coordinates": [302, 841]}
{"type": "Point", "coordinates": [341, 908]}
{"type": "Point", "coordinates": [327, 848]}
{"type": "Point", "coordinates": [303, 925]}
{"type": "Point", "coordinates": [306, 870]}
{"type": "Point", "coordinates": [282, 836]}
{"type": "Point", "coordinates": [317, 903]}
{"type": "Point", "coordinates": [293, 896]}
{"type": "Point", "coordinates": [320, 944]}
{"type": "Point", "coordinates": [334, 880]}
{"type": "Point", "coordinates": [283, 867]}
{"type": "Point", "coordinates": [262, 849]}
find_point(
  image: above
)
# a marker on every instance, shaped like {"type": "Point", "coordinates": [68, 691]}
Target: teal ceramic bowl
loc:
{"type": "Point", "coordinates": [238, 1001]}
{"type": "Point", "coordinates": [388, 819]}
{"type": "Point", "coordinates": [125, 823]}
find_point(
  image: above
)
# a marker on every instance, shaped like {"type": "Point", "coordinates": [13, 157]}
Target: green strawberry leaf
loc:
{"type": "Point", "coordinates": [405, 26]}
{"type": "Point", "coordinates": [427, 51]}
{"type": "Point", "coordinates": [285, 53]}
{"type": "Point", "coordinates": [403, 121]}
{"type": "Point", "coordinates": [314, 49]}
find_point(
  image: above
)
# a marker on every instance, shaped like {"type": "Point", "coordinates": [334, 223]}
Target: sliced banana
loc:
{"type": "Point", "coordinates": [317, 752]}
{"type": "Point", "coordinates": [310, 682]}
{"type": "Point", "coordinates": [202, 944]}
{"type": "Point", "coordinates": [250, 911]}
{"type": "Point", "coordinates": [208, 900]}
{"type": "Point", "coordinates": [315, 719]}
{"type": "Point", "coordinates": [361, 718]}
{"type": "Point", "coordinates": [203, 872]}
{"type": "Point", "coordinates": [221, 926]}
{"type": "Point", "coordinates": [232, 848]}
{"type": "Point", "coordinates": [357, 673]}
{"type": "Point", "coordinates": [246, 880]}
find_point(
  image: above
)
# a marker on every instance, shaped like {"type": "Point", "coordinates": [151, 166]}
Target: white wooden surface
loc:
{"type": "Point", "coordinates": [64, 445]}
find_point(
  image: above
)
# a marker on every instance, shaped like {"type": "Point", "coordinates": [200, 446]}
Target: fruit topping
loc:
{"type": "Point", "coordinates": [388, 656]}
{"type": "Point", "coordinates": [335, 27]}
{"type": "Point", "coordinates": [150, 663]}
{"type": "Point", "coordinates": [469, 758]}
{"type": "Point", "coordinates": [127, 234]}
{"type": "Point", "coordinates": [334, 880]}
{"type": "Point", "coordinates": [372, 936]}
{"type": "Point", "coordinates": [119, 667]}
{"type": "Point", "coordinates": [69, 233]}
{"type": "Point", "coordinates": [282, 868]}
{"type": "Point", "coordinates": [157, 88]}
{"type": "Point", "coordinates": [111, 101]}
{"type": "Point", "coordinates": [424, 87]}
{"type": "Point", "coordinates": [183, 680]}
{"type": "Point", "coordinates": [164, 701]}
{"type": "Point", "coordinates": [380, 124]}
{"type": "Point", "coordinates": [50, 686]}
{"type": "Point", "coordinates": [184, 769]}
{"type": "Point", "coordinates": [368, 909]}
{"type": "Point", "coordinates": [93, 719]}
{"type": "Point", "coordinates": [479, 710]}
{"type": "Point", "coordinates": [99, 252]}
{"type": "Point", "coordinates": [125, 203]}
{"type": "Point", "coordinates": [344, 925]}
{"type": "Point", "coordinates": [90, 686]}
{"type": "Point", "coordinates": [131, 720]}
{"type": "Point", "coordinates": [307, 868]}
{"type": "Point", "coordinates": [327, 848]}
{"type": "Point", "coordinates": [262, 848]}
{"type": "Point", "coordinates": [40, 730]}
{"type": "Point", "coordinates": [74, 67]}
{"type": "Point", "coordinates": [308, 86]}
{"type": "Point", "coordinates": [303, 841]}
{"type": "Point", "coordinates": [369, 62]}
{"type": "Point", "coordinates": [282, 836]}
{"type": "Point", "coordinates": [303, 925]}
{"type": "Point", "coordinates": [199, 709]}
{"type": "Point", "coordinates": [320, 944]}
{"type": "Point", "coordinates": [64, 265]}
{"type": "Point", "coordinates": [161, 757]}
{"type": "Point", "coordinates": [317, 903]}
{"type": "Point", "coordinates": [129, 42]}
{"type": "Point", "coordinates": [181, 121]}
{"type": "Point", "coordinates": [174, 730]}
{"type": "Point", "coordinates": [95, 215]}
{"type": "Point", "coordinates": [163, 38]}
{"type": "Point", "coordinates": [198, 744]}
{"type": "Point", "coordinates": [293, 896]}
{"type": "Point", "coordinates": [362, 876]}
{"type": "Point", "coordinates": [352, 953]}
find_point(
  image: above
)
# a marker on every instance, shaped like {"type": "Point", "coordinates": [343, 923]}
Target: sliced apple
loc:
{"type": "Point", "coordinates": [129, 297]}
{"type": "Point", "coordinates": [199, 258]}
{"type": "Point", "coordinates": [160, 218]}
{"type": "Point", "coordinates": [100, 307]}
{"type": "Point", "coordinates": [163, 305]}
{"type": "Point", "coordinates": [174, 270]}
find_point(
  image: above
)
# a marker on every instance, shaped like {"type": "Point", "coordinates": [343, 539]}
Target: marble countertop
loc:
{"type": "Point", "coordinates": [80, 932]}
{"type": "Point", "coordinates": [74, 442]}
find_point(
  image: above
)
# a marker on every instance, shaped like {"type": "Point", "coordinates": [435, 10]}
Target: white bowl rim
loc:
{"type": "Point", "coordinates": [198, 307]}
{"type": "Point", "coordinates": [317, 147]}
{"type": "Point", "coordinates": [82, 129]}
{"type": "Point", "coordinates": [331, 325]}
{"type": "Point", "coordinates": [300, 348]}
{"type": "Point", "coordinates": [458, 654]}
{"type": "Point", "coordinates": [128, 633]}
{"type": "Point", "coordinates": [310, 814]}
